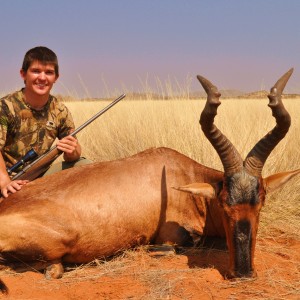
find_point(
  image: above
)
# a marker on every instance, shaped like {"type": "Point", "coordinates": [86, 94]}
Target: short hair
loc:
{"type": "Point", "coordinates": [42, 54]}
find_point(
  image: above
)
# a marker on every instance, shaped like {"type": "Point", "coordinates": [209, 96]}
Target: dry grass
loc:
{"type": "Point", "coordinates": [132, 126]}
{"type": "Point", "coordinates": [136, 265]}
{"type": "Point", "coordinates": [168, 277]}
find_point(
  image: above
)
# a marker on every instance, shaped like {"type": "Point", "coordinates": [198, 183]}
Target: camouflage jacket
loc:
{"type": "Point", "coordinates": [23, 128]}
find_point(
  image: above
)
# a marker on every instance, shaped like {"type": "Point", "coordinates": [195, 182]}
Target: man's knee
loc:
{"type": "Point", "coordinates": [57, 167]}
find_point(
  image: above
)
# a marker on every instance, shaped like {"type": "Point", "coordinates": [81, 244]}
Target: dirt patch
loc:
{"type": "Point", "coordinates": [191, 274]}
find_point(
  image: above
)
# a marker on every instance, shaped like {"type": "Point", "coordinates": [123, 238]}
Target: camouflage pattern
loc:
{"type": "Point", "coordinates": [23, 128]}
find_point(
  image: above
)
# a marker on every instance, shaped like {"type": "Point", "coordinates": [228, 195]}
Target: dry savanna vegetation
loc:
{"type": "Point", "coordinates": [133, 126]}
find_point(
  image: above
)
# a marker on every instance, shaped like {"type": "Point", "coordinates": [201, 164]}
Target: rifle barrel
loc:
{"type": "Point", "coordinates": [97, 115]}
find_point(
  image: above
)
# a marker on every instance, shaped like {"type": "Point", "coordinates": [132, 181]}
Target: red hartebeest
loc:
{"type": "Point", "coordinates": [99, 209]}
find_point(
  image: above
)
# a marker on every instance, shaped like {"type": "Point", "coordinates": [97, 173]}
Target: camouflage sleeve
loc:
{"type": "Point", "coordinates": [66, 122]}
{"type": "Point", "coordinates": [4, 120]}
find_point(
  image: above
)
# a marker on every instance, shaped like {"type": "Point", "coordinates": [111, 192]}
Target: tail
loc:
{"type": "Point", "coordinates": [3, 287]}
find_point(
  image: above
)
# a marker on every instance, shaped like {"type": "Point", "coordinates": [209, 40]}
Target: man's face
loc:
{"type": "Point", "coordinates": [39, 78]}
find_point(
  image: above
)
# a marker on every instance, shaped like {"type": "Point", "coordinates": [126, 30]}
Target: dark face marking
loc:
{"type": "Point", "coordinates": [242, 189]}
{"type": "Point", "coordinates": [242, 239]}
{"type": "Point", "coordinates": [241, 198]}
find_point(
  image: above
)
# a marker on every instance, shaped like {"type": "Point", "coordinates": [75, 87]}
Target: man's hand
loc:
{"type": "Point", "coordinates": [7, 186]}
{"type": "Point", "coordinates": [12, 186]}
{"type": "Point", "coordinates": [71, 148]}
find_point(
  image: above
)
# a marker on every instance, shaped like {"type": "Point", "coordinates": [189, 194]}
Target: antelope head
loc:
{"type": "Point", "coordinates": [241, 195]}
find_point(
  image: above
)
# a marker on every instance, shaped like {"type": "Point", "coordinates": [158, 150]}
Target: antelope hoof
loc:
{"type": "Point", "coordinates": [54, 271]}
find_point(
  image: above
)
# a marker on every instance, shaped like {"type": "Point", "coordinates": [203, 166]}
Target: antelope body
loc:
{"type": "Point", "coordinates": [156, 196]}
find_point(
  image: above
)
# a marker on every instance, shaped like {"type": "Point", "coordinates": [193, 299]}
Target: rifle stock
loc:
{"type": "Point", "coordinates": [43, 162]}
{"type": "Point", "coordinates": [38, 166]}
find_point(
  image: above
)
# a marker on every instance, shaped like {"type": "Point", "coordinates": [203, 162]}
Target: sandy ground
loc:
{"type": "Point", "coordinates": [189, 274]}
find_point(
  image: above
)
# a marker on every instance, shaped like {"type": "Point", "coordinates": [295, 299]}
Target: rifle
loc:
{"type": "Point", "coordinates": [43, 162]}
{"type": "Point", "coordinates": [29, 156]}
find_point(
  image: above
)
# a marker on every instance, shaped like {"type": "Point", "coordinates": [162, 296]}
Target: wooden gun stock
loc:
{"type": "Point", "coordinates": [43, 162]}
{"type": "Point", "coordinates": [38, 166]}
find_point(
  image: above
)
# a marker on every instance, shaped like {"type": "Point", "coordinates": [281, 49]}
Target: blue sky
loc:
{"type": "Point", "coordinates": [104, 46]}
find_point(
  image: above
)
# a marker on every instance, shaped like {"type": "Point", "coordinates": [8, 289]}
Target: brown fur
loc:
{"type": "Point", "coordinates": [99, 209]}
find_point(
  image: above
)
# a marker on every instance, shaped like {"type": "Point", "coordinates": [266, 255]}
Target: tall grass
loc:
{"type": "Point", "coordinates": [133, 126]}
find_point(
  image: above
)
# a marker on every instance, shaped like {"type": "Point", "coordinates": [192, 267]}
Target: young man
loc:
{"type": "Point", "coordinates": [32, 118]}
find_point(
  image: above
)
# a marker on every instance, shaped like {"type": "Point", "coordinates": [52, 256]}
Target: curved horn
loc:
{"type": "Point", "coordinates": [257, 157]}
{"type": "Point", "coordinates": [231, 159]}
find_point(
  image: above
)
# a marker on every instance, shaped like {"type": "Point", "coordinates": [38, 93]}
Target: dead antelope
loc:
{"type": "Point", "coordinates": [100, 209]}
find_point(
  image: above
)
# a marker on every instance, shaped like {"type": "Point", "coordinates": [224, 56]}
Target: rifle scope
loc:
{"type": "Point", "coordinates": [29, 156]}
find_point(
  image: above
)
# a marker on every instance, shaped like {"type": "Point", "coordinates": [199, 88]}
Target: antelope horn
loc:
{"type": "Point", "coordinates": [231, 159]}
{"type": "Point", "coordinates": [257, 157]}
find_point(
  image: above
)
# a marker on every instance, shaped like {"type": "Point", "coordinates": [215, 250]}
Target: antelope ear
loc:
{"type": "Point", "coordinates": [203, 189]}
{"type": "Point", "coordinates": [275, 181]}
